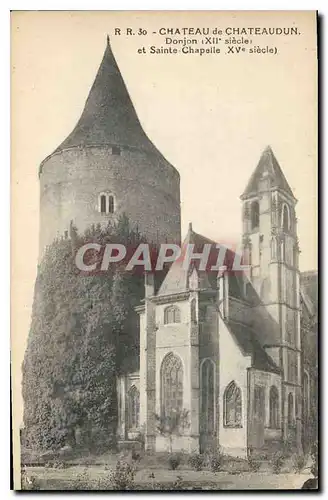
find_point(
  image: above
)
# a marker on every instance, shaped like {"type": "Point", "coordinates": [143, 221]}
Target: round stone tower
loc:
{"type": "Point", "coordinates": [108, 166]}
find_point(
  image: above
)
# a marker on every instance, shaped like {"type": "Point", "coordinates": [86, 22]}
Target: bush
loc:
{"type": "Point", "coordinates": [122, 478]}
{"type": "Point", "coordinates": [141, 438]}
{"type": "Point", "coordinates": [178, 483]}
{"type": "Point", "coordinates": [215, 462]}
{"type": "Point", "coordinates": [29, 482]}
{"type": "Point", "coordinates": [215, 459]}
{"type": "Point", "coordinates": [288, 448]}
{"type": "Point", "coordinates": [81, 481]}
{"type": "Point", "coordinates": [314, 456]}
{"type": "Point", "coordinates": [59, 465]}
{"type": "Point", "coordinates": [174, 460]}
{"type": "Point", "coordinates": [196, 461]}
{"type": "Point", "coordinates": [299, 462]}
{"type": "Point", "coordinates": [254, 463]}
{"type": "Point", "coordinates": [277, 462]}
{"type": "Point", "coordinates": [135, 454]}
{"type": "Point", "coordinates": [152, 478]}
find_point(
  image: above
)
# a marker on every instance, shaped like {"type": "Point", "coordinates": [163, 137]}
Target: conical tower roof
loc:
{"type": "Point", "coordinates": [109, 117]}
{"type": "Point", "coordinates": [269, 163]}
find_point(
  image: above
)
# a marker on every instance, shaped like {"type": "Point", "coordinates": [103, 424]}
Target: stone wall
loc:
{"type": "Point", "coordinates": [233, 367]}
{"type": "Point", "coordinates": [144, 186]}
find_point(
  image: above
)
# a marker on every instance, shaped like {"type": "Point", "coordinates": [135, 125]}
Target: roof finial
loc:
{"type": "Point", "coordinates": [190, 227]}
{"type": "Point", "coordinates": [108, 41]}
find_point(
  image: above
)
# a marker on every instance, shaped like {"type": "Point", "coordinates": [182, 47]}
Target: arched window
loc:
{"type": "Point", "coordinates": [290, 410]}
{"type": "Point", "coordinates": [103, 203]}
{"type": "Point", "coordinates": [193, 312]}
{"type": "Point", "coordinates": [232, 406]}
{"type": "Point", "coordinates": [133, 408]}
{"type": "Point", "coordinates": [255, 214]}
{"type": "Point", "coordinates": [172, 385]}
{"type": "Point", "coordinates": [207, 396]}
{"type": "Point", "coordinates": [172, 315]}
{"type": "Point", "coordinates": [110, 204]}
{"type": "Point", "coordinates": [274, 408]}
{"type": "Point", "coordinates": [285, 218]}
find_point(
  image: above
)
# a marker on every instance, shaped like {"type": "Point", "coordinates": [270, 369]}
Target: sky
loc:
{"type": "Point", "coordinates": [211, 116]}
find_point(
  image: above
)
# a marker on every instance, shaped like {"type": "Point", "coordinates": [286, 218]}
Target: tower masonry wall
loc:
{"type": "Point", "coordinates": [145, 187]}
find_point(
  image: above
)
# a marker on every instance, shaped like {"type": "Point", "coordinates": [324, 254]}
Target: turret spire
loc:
{"type": "Point", "coordinates": [109, 117]}
{"type": "Point", "coordinates": [268, 163]}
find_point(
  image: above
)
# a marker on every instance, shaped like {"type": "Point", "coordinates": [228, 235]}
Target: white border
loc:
{"type": "Point", "coordinates": [321, 5]}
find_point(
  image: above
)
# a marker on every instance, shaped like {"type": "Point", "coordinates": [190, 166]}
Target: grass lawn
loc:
{"type": "Point", "coordinates": [152, 472]}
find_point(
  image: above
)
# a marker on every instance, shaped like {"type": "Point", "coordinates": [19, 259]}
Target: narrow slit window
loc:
{"type": "Point", "coordinates": [103, 204]}
{"type": "Point", "coordinates": [255, 215]}
{"type": "Point", "coordinates": [285, 219]}
{"type": "Point", "coordinates": [110, 204]}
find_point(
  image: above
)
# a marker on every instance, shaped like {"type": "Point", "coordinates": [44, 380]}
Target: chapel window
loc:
{"type": "Point", "coordinates": [133, 408]}
{"type": "Point", "coordinates": [171, 385]}
{"type": "Point", "coordinates": [232, 406]}
{"type": "Point", "coordinates": [172, 315]}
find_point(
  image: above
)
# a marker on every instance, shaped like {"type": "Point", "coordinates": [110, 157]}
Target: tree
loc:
{"type": "Point", "coordinates": [82, 328]}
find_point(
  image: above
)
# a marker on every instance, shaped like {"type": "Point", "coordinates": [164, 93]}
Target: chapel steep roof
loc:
{"type": "Point", "coordinates": [177, 278]}
{"type": "Point", "coordinates": [109, 116]}
{"type": "Point", "coordinates": [267, 163]}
